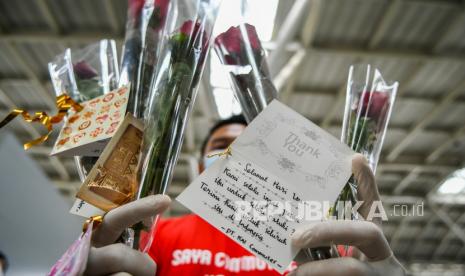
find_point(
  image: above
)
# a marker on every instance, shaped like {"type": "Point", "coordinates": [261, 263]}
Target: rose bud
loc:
{"type": "Point", "coordinates": [253, 37]}
{"type": "Point", "coordinates": [230, 40]}
{"type": "Point", "coordinates": [192, 30]}
{"type": "Point", "coordinates": [83, 70]}
{"type": "Point", "coordinates": [135, 7]}
{"type": "Point", "coordinates": [376, 106]}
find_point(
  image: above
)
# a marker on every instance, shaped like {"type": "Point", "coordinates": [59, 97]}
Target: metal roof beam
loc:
{"type": "Point", "coordinates": [292, 46]}
{"type": "Point", "coordinates": [454, 228]}
{"type": "Point", "coordinates": [49, 18]}
{"type": "Point", "coordinates": [288, 75]}
{"type": "Point", "coordinates": [418, 238]}
{"type": "Point", "coordinates": [41, 89]}
{"type": "Point", "coordinates": [287, 32]}
{"type": "Point", "coordinates": [418, 127]}
{"type": "Point", "coordinates": [396, 236]}
{"type": "Point", "coordinates": [340, 98]}
{"type": "Point", "coordinates": [407, 167]}
{"type": "Point", "coordinates": [65, 39]}
{"type": "Point", "coordinates": [286, 86]}
{"type": "Point", "coordinates": [383, 24]}
{"type": "Point", "coordinates": [451, 26]}
{"type": "Point", "coordinates": [436, 153]}
{"type": "Point", "coordinates": [110, 9]}
{"type": "Point", "coordinates": [311, 23]}
{"type": "Point", "coordinates": [405, 182]}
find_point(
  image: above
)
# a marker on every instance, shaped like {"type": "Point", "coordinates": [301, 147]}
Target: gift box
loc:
{"type": "Point", "coordinates": [112, 180]}
{"type": "Point", "coordinates": [87, 132]}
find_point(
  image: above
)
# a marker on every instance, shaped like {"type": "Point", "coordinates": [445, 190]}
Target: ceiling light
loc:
{"type": "Point", "coordinates": [453, 185]}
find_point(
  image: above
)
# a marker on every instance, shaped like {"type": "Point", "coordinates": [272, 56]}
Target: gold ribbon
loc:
{"type": "Point", "coordinates": [63, 103]}
{"type": "Point", "coordinates": [226, 152]}
{"type": "Point", "coordinates": [96, 219]}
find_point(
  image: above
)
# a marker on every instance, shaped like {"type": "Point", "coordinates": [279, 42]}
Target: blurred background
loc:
{"type": "Point", "coordinates": [311, 44]}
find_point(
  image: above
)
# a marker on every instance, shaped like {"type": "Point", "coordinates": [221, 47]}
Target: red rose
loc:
{"type": "Point", "coordinates": [376, 103]}
{"type": "Point", "coordinates": [84, 71]}
{"type": "Point", "coordinates": [253, 37]}
{"type": "Point", "coordinates": [189, 27]}
{"type": "Point", "coordinates": [193, 31]}
{"type": "Point", "coordinates": [135, 7]}
{"type": "Point", "coordinates": [231, 40]}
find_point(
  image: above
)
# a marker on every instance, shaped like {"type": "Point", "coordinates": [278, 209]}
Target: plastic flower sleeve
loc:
{"type": "Point", "coordinates": [95, 69]}
{"type": "Point", "coordinates": [132, 43]}
{"type": "Point", "coordinates": [186, 42]}
{"type": "Point", "coordinates": [62, 77]}
{"type": "Point", "coordinates": [85, 74]}
{"type": "Point", "coordinates": [143, 35]}
{"type": "Point", "coordinates": [240, 50]}
{"type": "Point", "coordinates": [74, 261]}
{"type": "Point", "coordinates": [368, 107]}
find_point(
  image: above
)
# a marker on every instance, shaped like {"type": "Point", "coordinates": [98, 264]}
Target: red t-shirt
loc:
{"type": "Point", "coordinates": [188, 245]}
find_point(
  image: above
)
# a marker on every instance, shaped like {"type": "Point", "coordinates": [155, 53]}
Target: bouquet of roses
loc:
{"type": "Point", "coordinates": [240, 50]}
{"type": "Point", "coordinates": [175, 84]}
{"type": "Point", "coordinates": [146, 19]}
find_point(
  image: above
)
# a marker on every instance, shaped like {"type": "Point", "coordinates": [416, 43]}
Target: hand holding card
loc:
{"type": "Point", "coordinates": [280, 169]}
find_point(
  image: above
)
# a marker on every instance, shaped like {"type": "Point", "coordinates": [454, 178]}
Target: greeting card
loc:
{"type": "Point", "coordinates": [282, 173]}
{"type": "Point", "coordinates": [87, 132]}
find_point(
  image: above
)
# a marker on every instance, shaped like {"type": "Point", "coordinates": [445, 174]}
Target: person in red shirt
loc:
{"type": "Point", "coordinates": [188, 245]}
{"type": "Point", "coordinates": [204, 250]}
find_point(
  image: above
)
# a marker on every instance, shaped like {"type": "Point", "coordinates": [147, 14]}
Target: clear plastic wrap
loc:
{"type": "Point", "coordinates": [146, 20]}
{"type": "Point", "coordinates": [132, 43]}
{"type": "Point", "coordinates": [240, 50]}
{"type": "Point", "coordinates": [186, 42]}
{"type": "Point", "coordinates": [368, 108]}
{"type": "Point", "coordinates": [85, 74]}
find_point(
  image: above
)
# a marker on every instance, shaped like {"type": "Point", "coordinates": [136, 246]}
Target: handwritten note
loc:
{"type": "Point", "coordinates": [281, 169]}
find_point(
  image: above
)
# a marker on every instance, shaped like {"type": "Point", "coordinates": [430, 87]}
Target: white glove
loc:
{"type": "Point", "coordinates": [367, 237]}
{"type": "Point", "coordinates": [105, 257]}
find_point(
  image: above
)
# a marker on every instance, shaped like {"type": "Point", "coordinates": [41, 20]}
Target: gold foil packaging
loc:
{"type": "Point", "coordinates": [112, 181]}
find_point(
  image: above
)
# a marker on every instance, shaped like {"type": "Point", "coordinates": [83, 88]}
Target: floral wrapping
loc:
{"type": "Point", "coordinates": [240, 50]}
{"type": "Point", "coordinates": [186, 42]}
{"type": "Point", "coordinates": [74, 260]}
{"type": "Point", "coordinates": [85, 74]}
{"type": "Point", "coordinates": [368, 107]}
{"type": "Point", "coordinates": [132, 45]}
{"type": "Point", "coordinates": [145, 23]}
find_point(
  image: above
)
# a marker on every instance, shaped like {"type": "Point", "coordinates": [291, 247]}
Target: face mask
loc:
{"type": "Point", "coordinates": [207, 161]}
